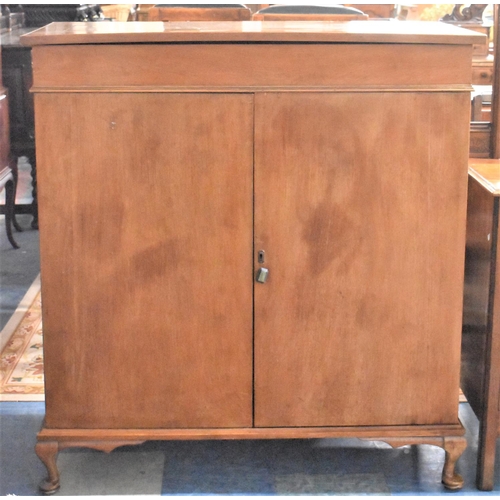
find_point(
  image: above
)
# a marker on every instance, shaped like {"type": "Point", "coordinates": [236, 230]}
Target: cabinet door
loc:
{"type": "Point", "coordinates": [146, 248]}
{"type": "Point", "coordinates": [360, 209]}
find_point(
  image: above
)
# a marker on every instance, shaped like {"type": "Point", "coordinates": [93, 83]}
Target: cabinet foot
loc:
{"type": "Point", "coordinates": [454, 447]}
{"type": "Point", "coordinates": [47, 453]}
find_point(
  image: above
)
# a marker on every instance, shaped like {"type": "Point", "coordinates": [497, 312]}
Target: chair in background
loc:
{"type": "Point", "coordinates": [8, 182]}
{"type": "Point", "coordinates": [8, 166]}
{"type": "Point", "coordinates": [378, 11]}
{"type": "Point", "coordinates": [309, 13]}
{"type": "Point", "coordinates": [199, 12]}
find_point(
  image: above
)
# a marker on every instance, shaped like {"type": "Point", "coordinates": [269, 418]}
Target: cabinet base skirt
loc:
{"type": "Point", "coordinates": [51, 441]}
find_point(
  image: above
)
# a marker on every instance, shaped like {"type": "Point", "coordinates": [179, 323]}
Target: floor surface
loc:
{"type": "Point", "coordinates": [277, 467]}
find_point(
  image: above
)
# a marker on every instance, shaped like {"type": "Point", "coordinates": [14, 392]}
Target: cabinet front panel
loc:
{"type": "Point", "coordinates": [207, 66]}
{"type": "Point", "coordinates": [360, 209]}
{"type": "Point", "coordinates": [146, 218]}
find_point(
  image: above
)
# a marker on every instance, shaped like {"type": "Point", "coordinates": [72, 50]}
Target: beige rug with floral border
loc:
{"type": "Point", "coordinates": [21, 358]}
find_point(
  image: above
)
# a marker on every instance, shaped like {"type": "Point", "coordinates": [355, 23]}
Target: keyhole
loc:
{"type": "Point", "coordinates": [260, 256]}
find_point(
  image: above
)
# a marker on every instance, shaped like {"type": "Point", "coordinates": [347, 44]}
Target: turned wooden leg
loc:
{"type": "Point", "coordinates": [47, 453]}
{"type": "Point", "coordinates": [454, 447]}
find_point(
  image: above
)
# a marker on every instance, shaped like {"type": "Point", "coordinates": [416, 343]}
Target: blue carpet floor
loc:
{"type": "Point", "coordinates": [277, 467]}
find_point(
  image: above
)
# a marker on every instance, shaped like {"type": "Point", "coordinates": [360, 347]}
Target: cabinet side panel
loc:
{"type": "Point", "coordinates": [360, 208]}
{"type": "Point", "coordinates": [478, 262]}
{"type": "Point", "coordinates": [145, 222]}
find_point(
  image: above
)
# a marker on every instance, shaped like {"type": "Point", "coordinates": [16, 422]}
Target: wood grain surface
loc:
{"type": "Point", "coordinates": [212, 66]}
{"type": "Point", "coordinates": [360, 208]}
{"type": "Point", "coordinates": [253, 31]}
{"type": "Point", "coordinates": [480, 372]}
{"type": "Point", "coordinates": [487, 173]}
{"type": "Point", "coordinates": [146, 242]}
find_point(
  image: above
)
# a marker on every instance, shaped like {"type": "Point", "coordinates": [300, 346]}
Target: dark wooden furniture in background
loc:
{"type": "Point", "coordinates": [308, 13]}
{"type": "Point", "coordinates": [356, 332]}
{"type": "Point", "coordinates": [8, 167]}
{"type": "Point", "coordinates": [202, 12]}
{"type": "Point", "coordinates": [37, 15]}
{"type": "Point", "coordinates": [376, 11]}
{"type": "Point", "coordinates": [471, 17]}
{"type": "Point", "coordinates": [17, 76]}
{"type": "Point", "coordinates": [17, 79]}
{"type": "Point", "coordinates": [480, 379]}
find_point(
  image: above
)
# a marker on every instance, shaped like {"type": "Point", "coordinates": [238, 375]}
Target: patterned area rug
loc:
{"type": "Point", "coordinates": [21, 359]}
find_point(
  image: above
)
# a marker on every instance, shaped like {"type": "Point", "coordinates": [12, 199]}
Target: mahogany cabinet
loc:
{"type": "Point", "coordinates": [261, 234]}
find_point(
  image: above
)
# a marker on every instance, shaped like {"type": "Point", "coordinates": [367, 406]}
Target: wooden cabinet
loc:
{"type": "Point", "coordinates": [480, 374]}
{"type": "Point", "coordinates": [344, 277]}
{"type": "Point", "coordinates": [335, 159]}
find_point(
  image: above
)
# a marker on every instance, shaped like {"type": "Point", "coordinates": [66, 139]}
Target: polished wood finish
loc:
{"type": "Point", "coordinates": [151, 307]}
{"type": "Point", "coordinates": [194, 13]}
{"type": "Point", "coordinates": [318, 254]}
{"type": "Point", "coordinates": [405, 432]}
{"type": "Point", "coordinates": [247, 31]}
{"type": "Point", "coordinates": [481, 334]}
{"type": "Point", "coordinates": [482, 71]}
{"type": "Point", "coordinates": [480, 140]}
{"type": "Point", "coordinates": [47, 448]}
{"type": "Point", "coordinates": [185, 260]}
{"type": "Point", "coordinates": [47, 452]}
{"type": "Point", "coordinates": [242, 67]}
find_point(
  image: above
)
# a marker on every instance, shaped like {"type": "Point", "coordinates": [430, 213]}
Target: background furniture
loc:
{"type": "Point", "coordinates": [17, 79]}
{"type": "Point", "coordinates": [308, 13]}
{"type": "Point", "coordinates": [8, 168]}
{"type": "Point", "coordinates": [480, 379]}
{"type": "Point", "coordinates": [17, 75]}
{"type": "Point", "coordinates": [377, 11]}
{"type": "Point", "coordinates": [8, 183]}
{"type": "Point", "coordinates": [201, 12]}
{"type": "Point", "coordinates": [160, 319]}
{"type": "Point", "coordinates": [37, 15]}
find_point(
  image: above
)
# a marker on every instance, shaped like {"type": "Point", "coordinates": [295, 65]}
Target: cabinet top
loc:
{"type": "Point", "coordinates": [252, 31]}
{"type": "Point", "coordinates": [487, 173]}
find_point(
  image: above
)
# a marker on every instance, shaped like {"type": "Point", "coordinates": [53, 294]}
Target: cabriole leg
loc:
{"type": "Point", "coordinates": [47, 453]}
{"type": "Point", "coordinates": [454, 447]}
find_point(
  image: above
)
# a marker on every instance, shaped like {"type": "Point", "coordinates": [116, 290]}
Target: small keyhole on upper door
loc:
{"type": "Point", "coordinates": [261, 256]}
